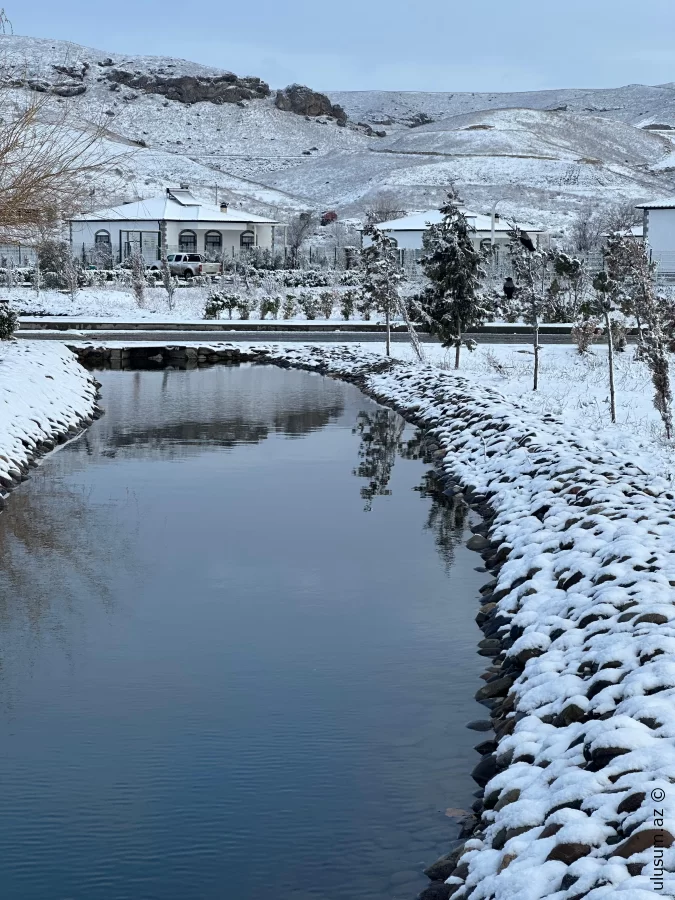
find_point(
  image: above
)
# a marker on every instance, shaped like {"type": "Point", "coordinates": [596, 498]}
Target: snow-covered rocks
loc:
{"type": "Point", "coordinates": [45, 398]}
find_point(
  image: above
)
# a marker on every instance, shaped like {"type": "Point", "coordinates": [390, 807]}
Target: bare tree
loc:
{"type": "Point", "coordinates": [298, 231]}
{"type": "Point", "coordinates": [627, 263]}
{"type": "Point", "coordinates": [168, 281]}
{"type": "Point", "coordinates": [621, 217]}
{"type": "Point", "coordinates": [71, 273]}
{"type": "Point", "coordinates": [384, 207]}
{"type": "Point", "coordinates": [138, 282]}
{"type": "Point", "coordinates": [45, 161]}
{"type": "Point", "coordinates": [587, 228]}
{"type": "Point", "coordinates": [531, 299]}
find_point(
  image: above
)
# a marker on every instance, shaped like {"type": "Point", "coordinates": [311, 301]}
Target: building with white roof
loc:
{"type": "Point", "coordinates": [173, 221]}
{"type": "Point", "coordinates": [659, 233]}
{"type": "Point", "coordinates": [409, 230]}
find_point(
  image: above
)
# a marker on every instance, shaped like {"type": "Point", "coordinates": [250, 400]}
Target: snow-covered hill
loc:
{"type": "Point", "coordinates": [635, 104]}
{"type": "Point", "coordinates": [545, 153]}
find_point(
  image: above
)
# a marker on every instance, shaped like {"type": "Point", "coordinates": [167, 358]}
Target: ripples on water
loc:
{"type": "Point", "coordinates": [238, 650]}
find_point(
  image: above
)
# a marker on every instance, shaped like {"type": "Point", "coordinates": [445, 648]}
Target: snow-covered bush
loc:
{"type": "Point", "coordinates": [619, 336]}
{"type": "Point", "coordinates": [364, 306]}
{"type": "Point", "coordinates": [347, 304]}
{"type": "Point", "coordinates": [584, 332]}
{"type": "Point", "coordinates": [326, 302]}
{"type": "Point", "coordinates": [270, 305]}
{"type": "Point", "coordinates": [308, 304]}
{"type": "Point", "coordinates": [213, 307]}
{"type": "Point", "coordinates": [245, 305]}
{"type": "Point", "coordinates": [8, 321]}
{"type": "Point", "coordinates": [290, 307]}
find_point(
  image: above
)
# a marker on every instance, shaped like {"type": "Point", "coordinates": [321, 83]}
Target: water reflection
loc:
{"type": "Point", "coordinates": [383, 438]}
{"type": "Point", "coordinates": [211, 683]}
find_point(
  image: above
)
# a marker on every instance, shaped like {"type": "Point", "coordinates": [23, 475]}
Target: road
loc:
{"type": "Point", "coordinates": [283, 337]}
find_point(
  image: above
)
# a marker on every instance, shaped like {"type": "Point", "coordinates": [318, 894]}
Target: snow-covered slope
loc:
{"type": "Point", "coordinates": [545, 153]}
{"type": "Point", "coordinates": [545, 163]}
{"type": "Point", "coordinates": [635, 104]}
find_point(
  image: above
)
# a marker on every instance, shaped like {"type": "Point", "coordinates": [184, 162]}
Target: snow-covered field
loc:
{"type": "Point", "coordinates": [113, 304]}
{"type": "Point", "coordinates": [44, 395]}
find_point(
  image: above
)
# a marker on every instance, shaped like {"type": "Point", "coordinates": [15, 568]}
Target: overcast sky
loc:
{"type": "Point", "coordinates": [435, 45]}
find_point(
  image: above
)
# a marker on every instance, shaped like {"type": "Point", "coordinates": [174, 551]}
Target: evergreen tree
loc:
{"type": "Point", "coordinates": [454, 301]}
{"type": "Point", "coordinates": [380, 280]}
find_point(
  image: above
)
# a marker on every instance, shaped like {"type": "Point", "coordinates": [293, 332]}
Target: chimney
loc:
{"type": "Point", "coordinates": [223, 206]}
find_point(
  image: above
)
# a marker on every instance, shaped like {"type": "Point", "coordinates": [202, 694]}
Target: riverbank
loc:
{"type": "Point", "coordinates": [580, 630]}
{"type": "Point", "coordinates": [46, 399]}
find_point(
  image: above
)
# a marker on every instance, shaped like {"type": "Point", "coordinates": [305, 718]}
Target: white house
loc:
{"type": "Point", "coordinates": [173, 221]}
{"type": "Point", "coordinates": [408, 231]}
{"type": "Point", "coordinates": [659, 233]}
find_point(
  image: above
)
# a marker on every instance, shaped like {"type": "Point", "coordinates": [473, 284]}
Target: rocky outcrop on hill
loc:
{"type": "Point", "coordinates": [226, 88]}
{"type": "Point", "coordinates": [300, 99]}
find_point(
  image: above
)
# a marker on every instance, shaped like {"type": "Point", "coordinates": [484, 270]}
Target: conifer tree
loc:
{"type": "Point", "coordinates": [454, 301]}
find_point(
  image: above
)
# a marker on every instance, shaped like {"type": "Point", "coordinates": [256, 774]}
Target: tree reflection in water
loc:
{"type": "Point", "coordinates": [382, 440]}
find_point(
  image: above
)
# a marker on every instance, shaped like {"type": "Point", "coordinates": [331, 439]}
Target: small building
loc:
{"type": "Point", "coordinates": [175, 221]}
{"type": "Point", "coordinates": [659, 233]}
{"type": "Point", "coordinates": [409, 230]}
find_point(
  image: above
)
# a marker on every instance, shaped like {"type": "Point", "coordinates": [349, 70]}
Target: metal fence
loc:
{"type": "Point", "coordinates": [17, 255]}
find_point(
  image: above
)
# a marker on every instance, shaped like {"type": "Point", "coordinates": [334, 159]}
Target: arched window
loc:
{"type": "Point", "coordinates": [187, 242]}
{"type": "Point", "coordinates": [102, 237]}
{"type": "Point", "coordinates": [213, 243]}
{"type": "Point", "coordinates": [246, 239]}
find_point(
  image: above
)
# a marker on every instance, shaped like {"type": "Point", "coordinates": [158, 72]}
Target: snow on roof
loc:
{"type": "Point", "coordinates": [421, 221]}
{"type": "Point", "coordinates": [175, 205]}
{"type": "Point", "coordinates": [657, 204]}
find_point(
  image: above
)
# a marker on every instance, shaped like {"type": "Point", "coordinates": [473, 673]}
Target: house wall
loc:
{"type": "Point", "coordinates": [659, 235]}
{"type": "Point", "coordinates": [83, 234]}
{"type": "Point", "coordinates": [412, 240]}
{"type": "Point", "coordinates": [661, 229]}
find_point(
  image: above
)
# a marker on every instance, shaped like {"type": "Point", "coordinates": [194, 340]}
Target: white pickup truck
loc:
{"type": "Point", "coordinates": [187, 265]}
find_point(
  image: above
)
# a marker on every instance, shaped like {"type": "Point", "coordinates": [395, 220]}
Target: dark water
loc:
{"type": "Point", "coordinates": [220, 675]}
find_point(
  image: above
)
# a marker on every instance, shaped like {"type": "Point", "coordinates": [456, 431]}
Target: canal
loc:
{"type": "Point", "coordinates": [237, 649]}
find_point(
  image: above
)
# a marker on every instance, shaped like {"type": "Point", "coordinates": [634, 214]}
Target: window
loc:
{"type": "Point", "coordinates": [102, 237]}
{"type": "Point", "coordinates": [194, 257]}
{"type": "Point", "coordinates": [213, 243]}
{"type": "Point", "coordinates": [187, 240]}
{"type": "Point", "coordinates": [246, 239]}
{"type": "Point", "coordinates": [171, 257]}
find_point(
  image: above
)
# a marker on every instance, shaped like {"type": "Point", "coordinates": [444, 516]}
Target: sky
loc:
{"type": "Point", "coordinates": [437, 45]}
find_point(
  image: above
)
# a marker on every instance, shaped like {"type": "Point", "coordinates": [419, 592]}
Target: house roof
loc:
{"type": "Point", "coordinates": [173, 206]}
{"type": "Point", "coordinates": [421, 221]}
{"type": "Point", "coordinates": [657, 204]}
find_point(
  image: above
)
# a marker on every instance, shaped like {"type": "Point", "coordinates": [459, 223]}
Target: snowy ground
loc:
{"type": "Point", "coordinates": [112, 304]}
{"type": "Point", "coordinates": [44, 394]}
